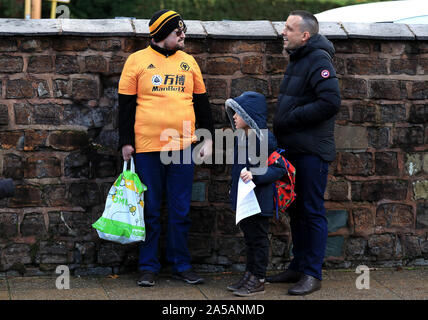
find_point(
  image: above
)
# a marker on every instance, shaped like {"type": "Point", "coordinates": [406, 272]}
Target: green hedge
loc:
{"type": "Point", "coordinates": [274, 10]}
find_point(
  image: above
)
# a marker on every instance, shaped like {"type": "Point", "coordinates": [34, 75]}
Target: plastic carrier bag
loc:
{"type": "Point", "coordinates": [123, 218]}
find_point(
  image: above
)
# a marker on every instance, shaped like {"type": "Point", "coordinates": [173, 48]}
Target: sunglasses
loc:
{"type": "Point", "coordinates": [179, 32]}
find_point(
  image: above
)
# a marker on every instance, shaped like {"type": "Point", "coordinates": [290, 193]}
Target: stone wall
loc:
{"type": "Point", "coordinates": [58, 141]}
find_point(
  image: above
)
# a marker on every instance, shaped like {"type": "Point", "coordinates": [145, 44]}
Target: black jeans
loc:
{"type": "Point", "coordinates": [255, 229]}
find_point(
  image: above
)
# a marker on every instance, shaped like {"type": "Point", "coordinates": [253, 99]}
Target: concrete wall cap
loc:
{"type": "Point", "coordinates": [261, 29]}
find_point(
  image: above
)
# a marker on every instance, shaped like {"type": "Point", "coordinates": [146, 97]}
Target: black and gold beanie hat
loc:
{"type": "Point", "coordinates": [163, 22]}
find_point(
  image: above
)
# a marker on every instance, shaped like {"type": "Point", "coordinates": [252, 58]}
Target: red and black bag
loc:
{"type": "Point", "coordinates": [285, 194]}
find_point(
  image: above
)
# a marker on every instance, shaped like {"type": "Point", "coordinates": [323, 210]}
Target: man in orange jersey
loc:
{"type": "Point", "coordinates": [161, 89]}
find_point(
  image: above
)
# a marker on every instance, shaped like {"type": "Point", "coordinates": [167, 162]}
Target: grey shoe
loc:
{"type": "Point", "coordinates": [251, 287]}
{"type": "Point", "coordinates": [147, 278]}
{"type": "Point", "coordinates": [238, 285]}
{"type": "Point", "coordinates": [306, 285]}
{"type": "Point", "coordinates": [188, 276]}
{"type": "Point", "coordinates": [288, 276]}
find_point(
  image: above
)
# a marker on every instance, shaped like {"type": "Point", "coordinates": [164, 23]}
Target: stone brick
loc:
{"type": "Point", "coordinates": [33, 225]}
{"type": "Point", "coordinates": [334, 246]}
{"type": "Point", "coordinates": [23, 113]}
{"type": "Point", "coordinates": [355, 164]}
{"type": "Point", "coordinates": [110, 254]}
{"type": "Point", "coordinates": [411, 246]}
{"type": "Point", "coordinates": [35, 140]}
{"type": "Point", "coordinates": [40, 64]}
{"type": "Point", "coordinates": [407, 137]}
{"type": "Point", "coordinates": [418, 113]}
{"type": "Point", "coordinates": [34, 45]}
{"type": "Point", "coordinates": [42, 167]}
{"type": "Point", "coordinates": [66, 64]}
{"type": "Point", "coordinates": [12, 166]}
{"type": "Point", "coordinates": [200, 246]}
{"type": "Point", "coordinates": [199, 191]}
{"type": "Point", "coordinates": [336, 219]}
{"type": "Point", "coordinates": [419, 90]}
{"type": "Point", "coordinates": [84, 194]}
{"type": "Point", "coordinates": [226, 222]}
{"type": "Point", "coordinates": [217, 88]}
{"type": "Point", "coordinates": [280, 246]}
{"type": "Point", "coordinates": [252, 65]}
{"type": "Point", "coordinates": [85, 89]}
{"type": "Point", "coordinates": [20, 88]}
{"type": "Point", "coordinates": [363, 220]}
{"type": "Point", "coordinates": [76, 165]}
{"type": "Point", "coordinates": [4, 114]}
{"type": "Point", "coordinates": [386, 164]}
{"type": "Point", "coordinates": [116, 64]}
{"type": "Point", "coordinates": [249, 84]}
{"type": "Point", "coordinates": [91, 117]}
{"type": "Point", "coordinates": [46, 114]}
{"type": "Point", "coordinates": [26, 196]}
{"type": "Point", "coordinates": [223, 65]}
{"type": "Point", "coordinates": [55, 195]}
{"type": "Point", "coordinates": [232, 248]}
{"type": "Point", "coordinates": [61, 88]}
{"type": "Point", "coordinates": [85, 253]}
{"type": "Point", "coordinates": [363, 112]}
{"type": "Point", "coordinates": [394, 48]}
{"type": "Point", "coordinates": [67, 140]}
{"type": "Point", "coordinates": [8, 225]}
{"type": "Point", "coordinates": [355, 248]}
{"type": "Point", "coordinates": [339, 65]}
{"type": "Point", "coordinates": [420, 189]}
{"type": "Point", "coordinates": [387, 89]}
{"type": "Point", "coordinates": [42, 89]}
{"type": "Point", "coordinates": [95, 64]}
{"type": "Point", "coordinates": [11, 64]}
{"type": "Point", "coordinates": [218, 191]}
{"type": "Point", "coordinates": [13, 254]}
{"type": "Point", "coordinates": [52, 253]}
{"type": "Point", "coordinates": [275, 84]}
{"type": "Point", "coordinates": [422, 215]}
{"type": "Point", "coordinates": [275, 64]}
{"type": "Point", "coordinates": [338, 190]}
{"type": "Point", "coordinates": [232, 46]}
{"type": "Point", "coordinates": [369, 65]}
{"type": "Point", "coordinates": [8, 45]}
{"type": "Point", "coordinates": [382, 246]}
{"type": "Point", "coordinates": [105, 44]}
{"type": "Point", "coordinates": [392, 113]}
{"type": "Point", "coordinates": [70, 44]}
{"type": "Point", "coordinates": [10, 139]}
{"type": "Point", "coordinates": [378, 138]}
{"type": "Point", "coordinates": [203, 220]}
{"type": "Point", "coordinates": [404, 66]}
{"type": "Point", "coordinates": [353, 88]}
{"type": "Point", "coordinates": [413, 164]}
{"type": "Point", "coordinates": [380, 190]}
{"type": "Point", "coordinates": [394, 215]}
{"type": "Point", "coordinates": [103, 166]}
{"type": "Point", "coordinates": [196, 46]}
{"type": "Point", "coordinates": [70, 224]}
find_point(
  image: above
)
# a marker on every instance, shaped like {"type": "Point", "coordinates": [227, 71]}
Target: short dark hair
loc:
{"type": "Point", "coordinates": [309, 22]}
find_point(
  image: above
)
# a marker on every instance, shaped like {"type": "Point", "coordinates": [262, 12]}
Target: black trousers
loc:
{"type": "Point", "coordinates": [255, 229]}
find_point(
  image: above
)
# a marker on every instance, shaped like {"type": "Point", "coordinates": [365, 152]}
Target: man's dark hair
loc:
{"type": "Point", "coordinates": [309, 22]}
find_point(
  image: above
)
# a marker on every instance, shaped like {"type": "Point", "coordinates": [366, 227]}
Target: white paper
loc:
{"type": "Point", "coordinates": [246, 204]}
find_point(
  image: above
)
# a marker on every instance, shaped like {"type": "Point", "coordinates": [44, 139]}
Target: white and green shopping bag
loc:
{"type": "Point", "coordinates": [123, 217]}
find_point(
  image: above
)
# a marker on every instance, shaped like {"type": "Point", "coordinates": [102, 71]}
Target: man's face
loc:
{"type": "Point", "coordinates": [293, 37]}
{"type": "Point", "coordinates": [175, 40]}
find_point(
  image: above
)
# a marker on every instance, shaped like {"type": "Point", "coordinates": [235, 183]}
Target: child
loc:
{"type": "Point", "coordinates": [248, 112]}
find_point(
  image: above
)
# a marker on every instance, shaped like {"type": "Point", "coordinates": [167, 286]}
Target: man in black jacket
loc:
{"type": "Point", "coordinates": [308, 101]}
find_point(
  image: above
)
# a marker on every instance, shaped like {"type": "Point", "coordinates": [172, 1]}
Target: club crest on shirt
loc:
{"type": "Point", "coordinates": [157, 80]}
{"type": "Point", "coordinates": [325, 74]}
{"type": "Point", "coordinates": [185, 66]}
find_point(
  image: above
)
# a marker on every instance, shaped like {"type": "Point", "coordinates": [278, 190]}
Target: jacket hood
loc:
{"type": "Point", "coordinates": [252, 108]}
{"type": "Point", "coordinates": [317, 41]}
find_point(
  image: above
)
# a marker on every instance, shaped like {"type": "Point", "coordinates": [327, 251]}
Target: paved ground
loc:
{"type": "Point", "coordinates": [385, 284]}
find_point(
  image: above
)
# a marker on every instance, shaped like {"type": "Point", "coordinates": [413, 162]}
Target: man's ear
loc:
{"type": "Point", "coordinates": [306, 36]}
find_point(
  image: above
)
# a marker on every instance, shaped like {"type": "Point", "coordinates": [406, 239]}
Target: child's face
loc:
{"type": "Point", "coordinates": [239, 122]}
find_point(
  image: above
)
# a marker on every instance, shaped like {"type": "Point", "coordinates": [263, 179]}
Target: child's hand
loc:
{"type": "Point", "coordinates": [246, 176]}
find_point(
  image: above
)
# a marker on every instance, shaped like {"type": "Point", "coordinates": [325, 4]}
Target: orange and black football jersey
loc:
{"type": "Point", "coordinates": [164, 118]}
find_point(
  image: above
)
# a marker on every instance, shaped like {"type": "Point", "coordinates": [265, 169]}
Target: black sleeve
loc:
{"type": "Point", "coordinates": [127, 108]}
{"type": "Point", "coordinates": [203, 114]}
